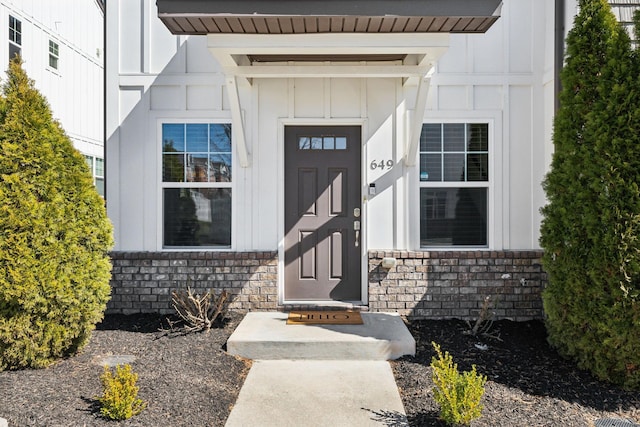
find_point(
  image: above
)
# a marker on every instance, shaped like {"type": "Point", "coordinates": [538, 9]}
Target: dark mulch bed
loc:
{"type": "Point", "coordinates": [528, 383]}
{"type": "Point", "coordinates": [187, 380]}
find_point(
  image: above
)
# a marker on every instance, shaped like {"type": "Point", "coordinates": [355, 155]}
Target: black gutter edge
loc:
{"type": "Point", "coordinates": [558, 51]}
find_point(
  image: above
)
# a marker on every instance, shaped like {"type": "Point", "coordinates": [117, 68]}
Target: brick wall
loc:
{"type": "Point", "coordinates": [442, 284]}
{"type": "Point", "coordinates": [453, 284]}
{"type": "Point", "coordinates": [142, 281]}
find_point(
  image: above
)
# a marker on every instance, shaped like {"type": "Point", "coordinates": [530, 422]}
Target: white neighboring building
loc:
{"type": "Point", "coordinates": [62, 45]}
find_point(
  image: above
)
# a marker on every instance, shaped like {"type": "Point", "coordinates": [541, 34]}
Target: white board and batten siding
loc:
{"type": "Point", "coordinates": [504, 77]}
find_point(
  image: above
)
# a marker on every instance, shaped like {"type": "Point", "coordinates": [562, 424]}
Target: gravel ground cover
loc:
{"type": "Point", "coordinates": [189, 380]}
{"type": "Point", "coordinates": [528, 383]}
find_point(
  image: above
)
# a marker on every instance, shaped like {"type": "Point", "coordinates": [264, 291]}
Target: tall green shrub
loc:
{"type": "Point", "coordinates": [54, 234]}
{"type": "Point", "coordinates": [591, 224]}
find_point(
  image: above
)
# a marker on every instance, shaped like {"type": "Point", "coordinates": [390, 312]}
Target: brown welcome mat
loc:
{"type": "Point", "coordinates": [324, 318]}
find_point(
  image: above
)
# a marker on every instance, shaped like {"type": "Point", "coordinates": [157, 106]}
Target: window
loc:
{"type": "Point", "coordinates": [96, 166]}
{"type": "Point", "coordinates": [98, 175]}
{"type": "Point", "coordinates": [454, 184]}
{"type": "Point", "coordinates": [53, 54]}
{"type": "Point", "coordinates": [322, 143]}
{"type": "Point", "coordinates": [196, 185]}
{"type": "Point", "coordinates": [15, 37]}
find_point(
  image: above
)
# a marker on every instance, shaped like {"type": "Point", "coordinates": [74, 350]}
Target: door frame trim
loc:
{"type": "Point", "coordinates": [364, 260]}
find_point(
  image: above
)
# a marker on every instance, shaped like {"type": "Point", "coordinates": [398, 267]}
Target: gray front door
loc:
{"type": "Point", "coordinates": [322, 213]}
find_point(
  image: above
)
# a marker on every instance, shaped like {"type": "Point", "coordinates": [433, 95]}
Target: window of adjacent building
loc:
{"type": "Point", "coordinates": [54, 54]}
{"type": "Point", "coordinates": [96, 166]}
{"type": "Point", "coordinates": [15, 37]}
{"type": "Point", "coordinates": [196, 185]}
{"type": "Point", "coordinates": [454, 184]}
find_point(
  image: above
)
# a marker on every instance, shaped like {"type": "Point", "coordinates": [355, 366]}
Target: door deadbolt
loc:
{"type": "Point", "coordinates": [356, 212]}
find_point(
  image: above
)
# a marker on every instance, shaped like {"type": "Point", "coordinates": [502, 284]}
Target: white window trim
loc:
{"type": "Point", "coordinates": [494, 200]}
{"type": "Point", "coordinates": [160, 185]}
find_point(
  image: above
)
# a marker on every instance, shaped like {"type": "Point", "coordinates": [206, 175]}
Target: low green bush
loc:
{"type": "Point", "coordinates": [458, 394]}
{"type": "Point", "coordinates": [119, 400]}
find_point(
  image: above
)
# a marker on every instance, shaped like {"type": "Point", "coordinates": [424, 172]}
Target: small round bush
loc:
{"type": "Point", "coordinates": [54, 234]}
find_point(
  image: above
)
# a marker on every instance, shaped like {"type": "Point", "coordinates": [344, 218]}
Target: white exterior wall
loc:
{"type": "Point", "coordinates": [75, 90]}
{"type": "Point", "coordinates": [504, 77]}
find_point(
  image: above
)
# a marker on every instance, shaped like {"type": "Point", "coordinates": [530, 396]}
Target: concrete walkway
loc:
{"type": "Point", "coordinates": [346, 390]}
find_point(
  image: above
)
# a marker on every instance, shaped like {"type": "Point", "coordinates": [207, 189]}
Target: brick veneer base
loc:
{"type": "Point", "coordinates": [436, 285]}
{"type": "Point", "coordinates": [142, 282]}
{"type": "Point", "coordinates": [454, 284]}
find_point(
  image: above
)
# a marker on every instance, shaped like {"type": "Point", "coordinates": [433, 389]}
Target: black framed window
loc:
{"type": "Point", "coordinates": [454, 184]}
{"type": "Point", "coordinates": [196, 185]}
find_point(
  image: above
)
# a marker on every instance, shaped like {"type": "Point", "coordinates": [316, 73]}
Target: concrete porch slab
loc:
{"type": "Point", "coordinates": [266, 336]}
{"type": "Point", "coordinates": [297, 393]}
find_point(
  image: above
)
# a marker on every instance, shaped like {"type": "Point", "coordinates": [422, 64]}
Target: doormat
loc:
{"type": "Point", "coordinates": [324, 318]}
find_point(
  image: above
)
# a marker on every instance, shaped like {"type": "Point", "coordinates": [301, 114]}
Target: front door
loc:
{"type": "Point", "coordinates": [322, 213]}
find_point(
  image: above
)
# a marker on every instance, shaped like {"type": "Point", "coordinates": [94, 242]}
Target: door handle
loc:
{"type": "Point", "coordinates": [356, 227]}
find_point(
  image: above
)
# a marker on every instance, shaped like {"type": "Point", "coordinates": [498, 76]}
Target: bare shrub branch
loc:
{"type": "Point", "coordinates": [198, 312]}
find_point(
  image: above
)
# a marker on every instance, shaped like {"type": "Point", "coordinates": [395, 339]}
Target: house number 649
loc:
{"type": "Point", "coordinates": [381, 164]}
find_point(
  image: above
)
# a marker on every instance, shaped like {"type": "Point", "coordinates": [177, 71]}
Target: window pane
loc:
{"type": "Point", "coordinates": [53, 48]}
{"type": "Point", "coordinates": [478, 167]}
{"type": "Point", "coordinates": [173, 168]}
{"type": "Point", "coordinates": [431, 167]}
{"type": "Point", "coordinates": [454, 136]}
{"type": "Point", "coordinates": [329, 143]}
{"type": "Point", "coordinates": [453, 216]}
{"type": "Point", "coordinates": [304, 143]}
{"type": "Point", "coordinates": [431, 137]}
{"type": "Point", "coordinates": [100, 186]}
{"type": "Point", "coordinates": [89, 161]}
{"type": "Point", "coordinates": [197, 138]}
{"type": "Point", "coordinates": [99, 166]}
{"type": "Point", "coordinates": [14, 51]}
{"type": "Point", "coordinates": [15, 30]}
{"type": "Point", "coordinates": [454, 167]}
{"type": "Point", "coordinates": [197, 217]}
{"type": "Point", "coordinates": [197, 168]}
{"type": "Point", "coordinates": [478, 136]}
{"type": "Point", "coordinates": [220, 138]}
{"type": "Point", "coordinates": [316, 143]}
{"type": "Point", "coordinates": [173, 138]}
{"type": "Point", "coordinates": [220, 168]}
{"type": "Point", "coordinates": [341, 143]}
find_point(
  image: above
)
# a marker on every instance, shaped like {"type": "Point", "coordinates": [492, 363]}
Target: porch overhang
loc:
{"type": "Point", "coordinates": [328, 38]}
{"type": "Point", "coordinates": [326, 16]}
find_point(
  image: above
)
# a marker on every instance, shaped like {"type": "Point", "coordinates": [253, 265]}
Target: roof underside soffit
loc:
{"type": "Point", "coordinates": [288, 29]}
{"type": "Point", "coordinates": [327, 16]}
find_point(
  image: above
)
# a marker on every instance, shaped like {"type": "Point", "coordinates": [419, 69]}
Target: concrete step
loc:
{"type": "Point", "coordinates": [266, 336]}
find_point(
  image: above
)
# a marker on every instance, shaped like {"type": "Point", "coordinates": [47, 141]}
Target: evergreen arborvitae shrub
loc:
{"type": "Point", "coordinates": [591, 225]}
{"type": "Point", "coordinates": [119, 400]}
{"type": "Point", "coordinates": [54, 234]}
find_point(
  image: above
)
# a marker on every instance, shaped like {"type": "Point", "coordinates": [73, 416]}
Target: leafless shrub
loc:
{"type": "Point", "coordinates": [484, 322]}
{"type": "Point", "coordinates": [198, 312]}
